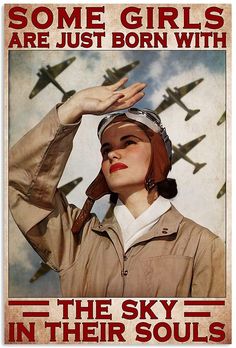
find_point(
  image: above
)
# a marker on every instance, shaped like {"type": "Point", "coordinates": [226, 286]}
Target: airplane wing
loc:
{"type": "Point", "coordinates": [222, 119]}
{"type": "Point", "coordinates": [57, 69]}
{"type": "Point", "coordinates": [180, 92]}
{"type": "Point", "coordinates": [187, 88]}
{"type": "Point", "coordinates": [164, 105]}
{"type": "Point", "coordinates": [222, 191]}
{"type": "Point", "coordinates": [44, 80]}
{"type": "Point", "coordinates": [115, 75]}
{"type": "Point", "coordinates": [107, 81]}
{"type": "Point", "coordinates": [125, 69]}
{"type": "Point", "coordinates": [43, 269]}
{"type": "Point", "coordinates": [67, 188]}
{"type": "Point", "coordinates": [112, 76]}
{"type": "Point", "coordinates": [185, 148]}
{"type": "Point", "coordinates": [175, 156]}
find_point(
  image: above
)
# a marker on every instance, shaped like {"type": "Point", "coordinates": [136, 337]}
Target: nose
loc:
{"type": "Point", "coordinates": [114, 154]}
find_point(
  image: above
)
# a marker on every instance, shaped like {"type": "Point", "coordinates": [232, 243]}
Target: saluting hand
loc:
{"type": "Point", "coordinates": [99, 100]}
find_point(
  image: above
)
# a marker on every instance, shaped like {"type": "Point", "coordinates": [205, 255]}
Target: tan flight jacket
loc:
{"type": "Point", "coordinates": [176, 258]}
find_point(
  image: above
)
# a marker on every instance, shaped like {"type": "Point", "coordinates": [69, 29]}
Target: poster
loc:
{"type": "Point", "coordinates": [167, 47]}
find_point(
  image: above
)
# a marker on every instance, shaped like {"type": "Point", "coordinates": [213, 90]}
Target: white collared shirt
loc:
{"type": "Point", "coordinates": [132, 228]}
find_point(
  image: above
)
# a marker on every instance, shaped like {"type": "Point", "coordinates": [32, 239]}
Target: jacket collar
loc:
{"type": "Point", "coordinates": [166, 227]}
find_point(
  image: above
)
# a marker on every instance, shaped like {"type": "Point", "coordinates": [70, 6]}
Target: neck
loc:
{"type": "Point", "coordinates": [140, 200]}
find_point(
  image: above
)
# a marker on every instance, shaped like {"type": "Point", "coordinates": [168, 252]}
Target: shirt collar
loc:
{"type": "Point", "coordinates": [149, 216]}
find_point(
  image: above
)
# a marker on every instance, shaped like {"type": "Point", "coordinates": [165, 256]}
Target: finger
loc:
{"type": "Point", "coordinates": [132, 91]}
{"type": "Point", "coordinates": [136, 87]}
{"type": "Point", "coordinates": [107, 103]}
{"type": "Point", "coordinates": [127, 104]}
{"type": "Point", "coordinates": [130, 102]}
{"type": "Point", "coordinates": [118, 84]}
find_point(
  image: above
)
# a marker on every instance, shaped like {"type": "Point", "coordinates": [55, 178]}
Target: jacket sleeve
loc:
{"type": "Point", "coordinates": [209, 269]}
{"type": "Point", "coordinates": [42, 213]}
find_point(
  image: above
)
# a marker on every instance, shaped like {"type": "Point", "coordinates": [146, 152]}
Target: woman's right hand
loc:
{"type": "Point", "coordinates": [100, 100]}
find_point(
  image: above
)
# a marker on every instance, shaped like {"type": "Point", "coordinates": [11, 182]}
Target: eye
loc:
{"type": "Point", "coordinates": [129, 142]}
{"type": "Point", "coordinates": [105, 152]}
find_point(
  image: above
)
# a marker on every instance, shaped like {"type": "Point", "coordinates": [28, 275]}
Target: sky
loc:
{"type": "Point", "coordinates": [196, 197]}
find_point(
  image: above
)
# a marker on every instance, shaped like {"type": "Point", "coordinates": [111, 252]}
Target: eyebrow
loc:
{"type": "Point", "coordinates": [121, 139]}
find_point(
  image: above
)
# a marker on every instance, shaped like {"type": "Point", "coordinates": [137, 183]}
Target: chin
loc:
{"type": "Point", "coordinates": [117, 187]}
{"type": "Point", "coordinates": [118, 182]}
{"type": "Point", "coordinates": [121, 186]}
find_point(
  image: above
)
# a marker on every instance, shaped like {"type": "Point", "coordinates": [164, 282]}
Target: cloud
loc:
{"type": "Point", "coordinates": [158, 67]}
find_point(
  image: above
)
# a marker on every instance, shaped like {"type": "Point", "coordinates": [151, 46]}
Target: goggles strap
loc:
{"type": "Point", "coordinates": [83, 217]}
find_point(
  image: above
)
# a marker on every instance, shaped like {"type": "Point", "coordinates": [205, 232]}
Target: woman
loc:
{"type": "Point", "coordinates": [145, 248]}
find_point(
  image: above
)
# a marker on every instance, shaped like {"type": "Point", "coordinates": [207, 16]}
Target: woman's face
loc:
{"type": "Point", "coordinates": [126, 152]}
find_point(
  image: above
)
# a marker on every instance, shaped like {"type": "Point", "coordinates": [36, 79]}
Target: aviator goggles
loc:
{"type": "Point", "coordinates": [145, 116]}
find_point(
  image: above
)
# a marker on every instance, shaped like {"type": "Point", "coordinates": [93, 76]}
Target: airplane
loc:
{"type": "Point", "coordinates": [49, 74]}
{"type": "Point", "coordinates": [174, 96]}
{"type": "Point", "coordinates": [67, 188]}
{"type": "Point", "coordinates": [222, 118]}
{"type": "Point", "coordinates": [44, 268]}
{"type": "Point", "coordinates": [114, 75]}
{"type": "Point", "coordinates": [222, 191]}
{"type": "Point", "coordinates": [180, 151]}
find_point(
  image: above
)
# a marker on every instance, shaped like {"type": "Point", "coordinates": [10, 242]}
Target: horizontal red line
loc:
{"type": "Point", "coordinates": [197, 314]}
{"type": "Point", "coordinates": [28, 303]}
{"type": "Point", "coordinates": [204, 303]}
{"type": "Point", "coordinates": [35, 314]}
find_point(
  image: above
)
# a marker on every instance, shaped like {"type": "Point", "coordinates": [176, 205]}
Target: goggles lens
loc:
{"type": "Point", "coordinates": [145, 116]}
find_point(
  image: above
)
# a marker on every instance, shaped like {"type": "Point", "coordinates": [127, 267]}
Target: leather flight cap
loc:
{"type": "Point", "coordinates": [145, 116]}
{"type": "Point", "coordinates": [160, 163]}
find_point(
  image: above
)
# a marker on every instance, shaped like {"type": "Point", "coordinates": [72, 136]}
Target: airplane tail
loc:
{"type": "Point", "coordinates": [191, 113]}
{"type": "Point", "coordinates": [198, 166]}
{"type": "Point", "coordinates": [67, 95]}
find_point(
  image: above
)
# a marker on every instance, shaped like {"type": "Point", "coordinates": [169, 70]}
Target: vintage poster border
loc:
{"type": "Point", "coordinates": [112, 314]}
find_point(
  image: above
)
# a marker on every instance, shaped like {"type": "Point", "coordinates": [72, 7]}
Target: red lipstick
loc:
{"type": "Point", "coordinates": [117, 166]}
